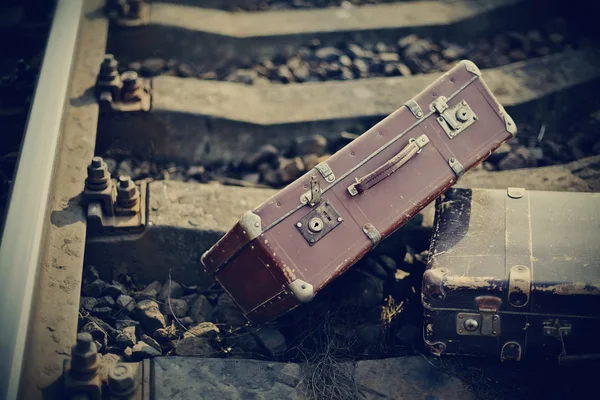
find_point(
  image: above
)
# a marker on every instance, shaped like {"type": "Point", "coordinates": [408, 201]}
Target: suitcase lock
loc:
{"type": "Point", "coordinates": [453, 120]}
{"type": "Point", "coordinates": [484, 323]}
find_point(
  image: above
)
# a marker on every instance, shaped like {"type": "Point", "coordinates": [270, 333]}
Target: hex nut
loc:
{"type": "Point", "coordinates": [84, 355]}
{"type": "Point", "coordinates": [126, 188]}
{"type": "Point", "coordinates": [122, 379]}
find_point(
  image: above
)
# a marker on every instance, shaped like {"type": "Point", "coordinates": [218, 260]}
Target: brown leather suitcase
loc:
{"type": "Point", "coordinates": [283, 252]}
{"type": "Point", "coordinates": [514, 274]}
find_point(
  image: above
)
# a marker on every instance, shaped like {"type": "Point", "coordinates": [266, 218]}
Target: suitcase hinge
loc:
{"type": "Point", "coordinates": [484, 323]}
{"type": "Point", "coordinates": [414, 108]}
{"type": "Point", "coordinates": [453, 120]}
{"type": "Point", "coordinates": [325, 171]}
{"type": "Point", "coordinates": [457, 167]}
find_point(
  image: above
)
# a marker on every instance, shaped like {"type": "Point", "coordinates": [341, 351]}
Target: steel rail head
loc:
{"type": "Point", "coordinates": [27, 214]}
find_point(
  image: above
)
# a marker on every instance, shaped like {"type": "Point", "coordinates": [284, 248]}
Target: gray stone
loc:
{"type": "Point", "coordinates": [355, 51]}
{"type": "Point", "coordinates": [201, 309]}
{"type": "Point", "coordinates": [153, 66]}
{"type": "Point", "coordinates": [176, 307]}
{"type": "Point", "coordinates": [114, 290]}
{"type": "Point", "coordinates": [373, 267]}
{"type": "Point", "coordinates": [126, 338]}
{"type": "Point", "coordinates": [102, 312]}
{"type": "Point", "coordinates": [328, 54]}
{"type": "Point", "coordinates": [186, 321]}
{"type": "Point", "coordinates": [90, 274]}
{"type": "Point", "coordinates": [153, 289]}
{"type": "Point", "coordinates": [388, 262]}
{"type": "Point", "coordinates": [243, 344]}
{"type": "Point", "coordinates": [422, 377]}
{"type": "Point", "coordinates": [454, 52]}
{"type": "Point", "coordinates": [227, 312]}
{"type": "Point", "coordinates": [95, 288]}
{"type": "Point", "coordinates": [150, 316]}
{"type": "Point", "coordinates": [142, 350]}
{"type": "Point", "coordinates": [190, 298]}
{"type": "Point", "coordinates": [346, 61]}
{"type": "Point", "coordinates": [150, 341]}
{"type": "Point", "coordinates": [173, 290]}
{"type": "Point", "coordinates": [125, 168]}
{"type": "Point", "coordinates": [284, 74]}
{"type": "Point", "coordinates": [367, 290]}
{"type": "Point", "coordinates": [194, 346]}
{"type": "Point", "coordinates": [518, 158]}
{"type": "Point", "coordinates": [97, 332]}
{"type": "Point", "coordinates": [389, 57]}
{"type": "Point", "coordinates": [290, 170]}
{"type": "Point", "coordinates": [165, 334]}
{"type": "Point", "coordinates": [204, 329]}
{"type": "Point", "coordinates": [126, 302]}
{"type": "Point", "coordinates": [266, 154]}
{"type": "Point", "coordinates": [361, 67]}
{"type": "Point", "coordinates": [185, 71]}
{"type": "Point", "coordinates": [121, 324]}
{"type": "Point", "coordinates": [369, 334]}
{"type": "Point", "coordinates": [106, 301]}
{"type": "Point", "coordinates": [246, 76]}
{"type": "Point", "coordinates": [272, 340]}
{"type": "Point", "coordinates": [315, 144]}
{"type": "Point", "coordinates": [88, 303]}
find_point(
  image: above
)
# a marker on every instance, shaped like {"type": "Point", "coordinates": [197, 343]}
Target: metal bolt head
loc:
{"type": "Point", "coordinates": [109, 65]}
{"type": "Point", "coordinates": [84, 341]}
{"type": "Point", "coordinates": [471, 325]}
{"type": "Point", "coordinates": [122, 379]}
{"type": "Point", "coordinates": [129, 77]}
{"type": "Point", "coordinates": [97, 171]}
{"type": "Point", "coordinates": [126, 188]}
{"type": "Point", "coordinates": [299, 224]}
{"type": "Point", "coordinates": [124, 181]}
{"type": "Point", "coordinates": [84, 355]}
{"type": "Point", "coordinates": [97, 162]}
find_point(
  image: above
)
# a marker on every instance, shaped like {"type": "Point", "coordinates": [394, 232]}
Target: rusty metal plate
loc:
{"type": "Point", "coordinates": [319, 222]}
{"type": "Point", "coordinates": [475, 324]}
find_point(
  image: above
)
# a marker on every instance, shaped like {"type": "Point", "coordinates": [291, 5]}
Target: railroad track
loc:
{"type": "Point", "coordinates": [232, 105]}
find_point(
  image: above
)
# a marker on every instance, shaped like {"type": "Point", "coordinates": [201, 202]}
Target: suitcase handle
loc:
{"type": "Point", "coordinates": [413, 148]}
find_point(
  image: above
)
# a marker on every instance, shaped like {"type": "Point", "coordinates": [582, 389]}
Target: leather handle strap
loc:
{"type": "Point", "coordinates": [413, 148]}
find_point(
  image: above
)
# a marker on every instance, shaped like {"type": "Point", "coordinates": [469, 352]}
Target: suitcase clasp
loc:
{"type": "Point", "coordinates": [313, 196]}
{"type": "Point", "coordinates": [484, 323]}
{"type": "Point", "coordinates": [453, 120]}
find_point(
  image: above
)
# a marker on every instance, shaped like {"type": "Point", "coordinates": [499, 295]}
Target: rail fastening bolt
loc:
{"type": "Point", "coordinates": [98, 177]}
{"type": "Point", "coordinates": [122, 380]}
{"type": "Point", "coordinates": [127, 193]}
{"type": "Point", "coordinates": [130, 79]}
{"type": "Point", "coordinates": [84, 356]}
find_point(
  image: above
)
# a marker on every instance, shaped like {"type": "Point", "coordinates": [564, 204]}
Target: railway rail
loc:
{"type": "Point", "coordinates": [199, 113]}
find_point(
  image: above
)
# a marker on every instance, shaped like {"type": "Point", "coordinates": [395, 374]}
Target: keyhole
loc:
{"type": "Point", "coordinates": [315, 225]}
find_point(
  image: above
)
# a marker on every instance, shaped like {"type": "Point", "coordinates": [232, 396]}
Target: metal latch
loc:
{"type": "Point", "coordinates": [453, 120]}
{"type": "Point", "coordinates": [484, 323]}
{"type": "Point", "coordinates": [313, 196]}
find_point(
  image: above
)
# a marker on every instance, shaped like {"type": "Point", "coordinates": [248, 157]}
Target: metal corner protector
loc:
{"type": "Point", "coordinates": [251, 224]}
{"type": "Point", "coordinates": [302, 291]}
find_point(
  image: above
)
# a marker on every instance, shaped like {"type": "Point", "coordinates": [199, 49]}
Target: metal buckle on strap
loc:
{"type": "Point", "coordinates": [420, 142]}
